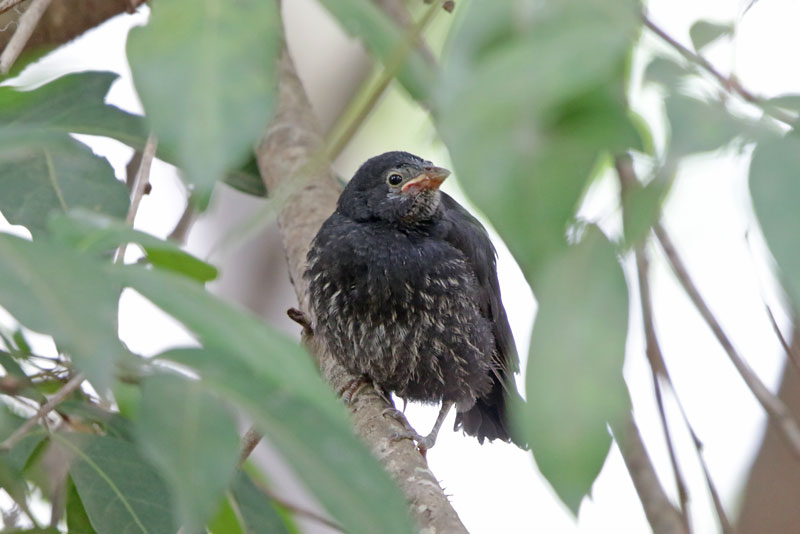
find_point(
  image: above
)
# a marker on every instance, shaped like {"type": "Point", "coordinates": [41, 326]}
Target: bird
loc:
{"type": "Point", "coordinates": [404, 293]}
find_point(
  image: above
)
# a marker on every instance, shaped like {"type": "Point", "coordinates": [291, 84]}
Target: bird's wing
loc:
{"type": "Point", "coordinates": [468, 235]}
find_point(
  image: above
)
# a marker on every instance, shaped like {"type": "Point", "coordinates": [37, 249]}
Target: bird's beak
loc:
{"type": "Point", "coordinates": [430, 178]}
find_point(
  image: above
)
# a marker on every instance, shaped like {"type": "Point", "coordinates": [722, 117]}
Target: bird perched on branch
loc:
{"type": "Point", "coordinates": [404, 292]}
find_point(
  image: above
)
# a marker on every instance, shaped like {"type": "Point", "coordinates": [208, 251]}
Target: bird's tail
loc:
{"type": "Point", "coordinates": [489, 418]}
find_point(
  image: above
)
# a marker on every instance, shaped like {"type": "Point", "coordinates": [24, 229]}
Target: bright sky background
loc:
{"type": "Point", "coordinates": [496, 488]}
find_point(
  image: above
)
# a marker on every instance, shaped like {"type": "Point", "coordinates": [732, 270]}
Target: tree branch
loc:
{"type": "Point", "coordinates": [729, 83]}
{"type": "Point", "coordinates": [48, 407]}
{"type": "Point", "coordinates": [66, 19]}
{"type": "Point", "coordinates": [775, 408]}
{"type": "Point", "coordinates": [25, 26]}
{"type": "Point", "coordinates": [290, 152]}
{"type": "Point", "coordinates": [663, 517]}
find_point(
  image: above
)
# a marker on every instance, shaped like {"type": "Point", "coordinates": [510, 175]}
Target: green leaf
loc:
{"type": "Point", "coordinates": [574, 377]}
{"type": "Point", "coordinates": [14, 371]}
{"type": "Point", "coordinates": [77, 519]}
{"type": "Point", "coordinates": [95, 233]}
{"type": "Point", "coordinates": [526, 154]}
{"type": "Point", "coordinates": [247, 179]}
{"type": "Point", "coordinates": [205, 73]}
{"type": "Point", "coordinates": [387, 41]}
{"type": "Point", "coordinates": [697, 126]}
{"type": "Point", "coordinates": [190, 436]}
{"type": "Point", "coordinates": [273, 379]}
{"type": "Point", "coordinates": [666, 72]}
{"type": "Point", "coordinates": [791, 102]}
{"type": "Point", "coordinates": [775, 189]}
{"type": "Point", "coordinates": [120, 491]}
{"type": "Point", "coordinates": [642, 208]}
{"type": "Point", "coordinates": [258, 515]}
{"type": "Point", "coordinates": [225, 520]}
{"type": "Point", "coordinates": [55, 291]}
{"type": "Point", "coordinates": [70, 104]}
{"type": "Point", "coordinates": [12, 463]}
{"type": "Point", "coordinates": [704, 33]}
{"type": "Point", "coordinates": [35, 181]}
{"type": "Point", "coordinates": [322, 451]}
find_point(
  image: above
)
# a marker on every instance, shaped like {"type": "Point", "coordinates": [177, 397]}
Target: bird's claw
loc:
{"type": "Point", "coordinates": [423, 442]}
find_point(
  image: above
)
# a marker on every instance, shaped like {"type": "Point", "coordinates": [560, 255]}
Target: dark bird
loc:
{"type": "Point", "coordinates": [404, 292]}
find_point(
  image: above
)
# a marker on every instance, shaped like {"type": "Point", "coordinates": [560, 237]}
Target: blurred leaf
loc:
{"type": "Point", "coordinates": [574, 376]}
{"type": "Point", "coordinates": [704, 33]}
{"type": "Point", "coordinates": [225, 520]}
{"type": "Point", "coordinates": [775, 189]}
{"type": "Point", "coordinates": [247, 179]}
{"type": "Point", "coordinates": [665, 71]}
{"type": "Point", "coordinates": [642, 208]}
{"type": "Point", "coordinates": [791, 102]}
{"type": "Point", "coordinates": [697, 126]}
{"type": "Point", "coordinates": [525, 155]}
{"type": "Point", "coordinates": [13, 461]}
{"type": "Point", "coordinates": [190, 436]}
{"type": "Point", "coordinates": [36, 181]}
{"type": "Point", "coordinates": [56, 291]}
{"type": "Point", "coordinates": [220, 326]}
{"type": "Point", "coordinates": [77, 519]}
{"type": "Point", "coordinates": [91, 232]}
{"type": "Point", "coordinates": [322, 451]}
{"type": "Point", "coordinates": [257, 513]}
{"type": "Point", "coordinates": [387, 41]}
{"type": "Point", "coordinates": [120, 492]}
{"type": "Point", "coordinates": [205, 74]}
{"type": "Point", "coordinates": [273, 379]}
{"type": "Point", "coordinates": [15, 376]}
{"type": "Point", "coordinates": [73, 103]}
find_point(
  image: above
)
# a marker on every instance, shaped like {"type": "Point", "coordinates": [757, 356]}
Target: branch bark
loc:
{"type": "Point", "coordinates": [64, 20]}
{"type": "Point", "coordinates": [288, 156]}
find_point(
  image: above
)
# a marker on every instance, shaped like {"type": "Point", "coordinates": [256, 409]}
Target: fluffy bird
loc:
{"type": "Point", "coordinates": [404, 292]}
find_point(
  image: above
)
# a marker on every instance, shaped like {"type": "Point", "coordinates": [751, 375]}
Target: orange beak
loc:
{"type": "Point", "coordinates": [430, 178]}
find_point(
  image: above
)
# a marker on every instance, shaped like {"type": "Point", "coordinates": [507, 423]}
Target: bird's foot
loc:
{"type": "Point", "coordinates": [423, 442]}
{"type": "Point", "coordinates": [348, 391]}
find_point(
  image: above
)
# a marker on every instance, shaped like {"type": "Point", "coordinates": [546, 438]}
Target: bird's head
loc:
{"type": "Point", "coordinates": [394, 187]}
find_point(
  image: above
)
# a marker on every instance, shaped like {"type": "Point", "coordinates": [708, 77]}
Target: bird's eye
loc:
{"type": "Point", "coordinates": [394, 179]}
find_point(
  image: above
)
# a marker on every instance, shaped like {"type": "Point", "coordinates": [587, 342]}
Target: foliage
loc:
{"type": "Point", "coordinates": [530, 101]}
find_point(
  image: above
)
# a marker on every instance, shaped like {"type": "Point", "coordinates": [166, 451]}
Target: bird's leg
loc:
{"type": "Point", "coordinates": [423, 442]}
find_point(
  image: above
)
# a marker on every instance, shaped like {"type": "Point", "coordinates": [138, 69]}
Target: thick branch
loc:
{"type": "Point", "coordinates": [64, 20]}
{"type": "Point", "coordinates": [663, 517]}
{"type": "Point", "coordinates": [290, 151]}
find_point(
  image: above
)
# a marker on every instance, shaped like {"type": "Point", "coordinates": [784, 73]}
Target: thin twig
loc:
{"type": "Point", "coordinates": [25, 26]}
{"type": "Point", "coordinates": [249, 442]}
{"type": "Point", "coordinates": [48, 407]}
{"type": "Point", "coordinates": [295, 509]}
{"type": "Point", "coordinates": [343, 135]}
{"type": "Point", "coordinates": [729, 83]}
{"type": "Point", "coordinates": [774, 407]}
{"type": "Point", "coordinates": [791, 351]}
{"type": "Point", "coordinates": [138, 189]}
{"type": "Point", "coordinates": [5, 5]}
{"type": "Point", "coordinates": [628, 181]}
{"type": "Point", "coordinates": [658, 365]}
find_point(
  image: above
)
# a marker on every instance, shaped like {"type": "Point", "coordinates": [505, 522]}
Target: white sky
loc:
{"type": "Point", "coordinates": [496, 488]}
